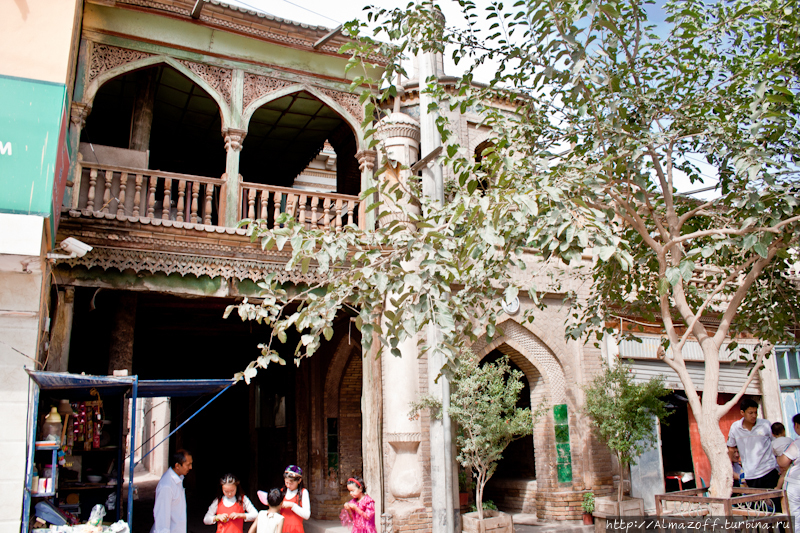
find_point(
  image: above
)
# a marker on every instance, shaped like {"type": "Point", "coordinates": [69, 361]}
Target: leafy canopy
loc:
{"type": "Point", "coordinates": [594, 116]}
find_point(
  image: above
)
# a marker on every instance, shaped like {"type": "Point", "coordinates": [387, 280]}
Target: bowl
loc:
{"type": "Point", "coordinates": [94, 479]}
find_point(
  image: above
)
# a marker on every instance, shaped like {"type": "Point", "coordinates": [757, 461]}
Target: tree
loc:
{"type": "Point", "coordinates": [483, 402]}
{"type": "Point", "coordinates": [609, 113]}
{"type": "Point", "coordinates": [622, 412]}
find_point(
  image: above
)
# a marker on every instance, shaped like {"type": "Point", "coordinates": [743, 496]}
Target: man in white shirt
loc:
{"type": "Point", "coordinates": [753, 437]}
{"type": "Point", "coordinates": [170, 507]}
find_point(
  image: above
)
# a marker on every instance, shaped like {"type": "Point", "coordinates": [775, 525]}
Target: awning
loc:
{"type": "Point", "coordinates": [65, 380]}
{"type": "Point", "coordinates": [152, 388]}
{"type": "Point", "coordinates": [147, 388]}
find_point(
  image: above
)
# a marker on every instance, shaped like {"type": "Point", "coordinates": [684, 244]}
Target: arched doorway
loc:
{"type": "Point", "coordinates": [513, 486]}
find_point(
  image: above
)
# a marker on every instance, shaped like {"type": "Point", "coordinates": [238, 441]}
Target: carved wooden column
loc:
{"type": "Point", "coordinates": [61, 332]}
{"type": "Point", "coordinates": [78, 111]}
{"type": "Point", "coordinates": [233, 146]}
{"type": "Point", "coordinates": [143, 103]}
{"type": "Point", "coordinates": [366, 163]}
{"type": "Point", "coordinates": [120, 353]}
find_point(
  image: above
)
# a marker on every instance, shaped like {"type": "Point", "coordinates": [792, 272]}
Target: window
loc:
{"type": "Point", "coordinates": [333, 446]}
{"type": "Point", "coordinates": [788, 360]}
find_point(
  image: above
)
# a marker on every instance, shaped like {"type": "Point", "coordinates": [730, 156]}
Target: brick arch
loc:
{"type": "Point", "coordinates": [530, 354]}
{"type": "Point", "coordinates": [548, 385]}
{"type": "Point", "coordinates": [348, 114]}
{"type": "Point", "coordinates": [90, 91]}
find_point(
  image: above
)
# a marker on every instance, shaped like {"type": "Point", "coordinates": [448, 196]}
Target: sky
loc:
{"type": "Point", "coordinates": [331, 13]}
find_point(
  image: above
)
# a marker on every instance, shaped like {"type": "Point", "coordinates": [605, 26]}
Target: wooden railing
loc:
{"type": "Point", "coordinates": [312, 209]}
{"type": "Point", "coordinates": [128, 192]}
{"type": "Point", "coordinates": [148, 194]}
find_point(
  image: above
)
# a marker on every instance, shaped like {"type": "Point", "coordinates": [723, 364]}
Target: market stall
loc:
{"type": "Point", "coordinates": [76, 454]}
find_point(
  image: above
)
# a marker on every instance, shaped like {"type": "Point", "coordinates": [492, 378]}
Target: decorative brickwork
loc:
{"type": "Point", "coordinates": [525, 342]}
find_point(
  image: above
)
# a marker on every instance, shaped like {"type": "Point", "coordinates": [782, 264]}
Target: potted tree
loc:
{"type": "Point", "coordinates": [588, 508]}
{"type": "Point", "coordinates": [483, 402]}
{"type": "Point", "coordinates": [622, 413]}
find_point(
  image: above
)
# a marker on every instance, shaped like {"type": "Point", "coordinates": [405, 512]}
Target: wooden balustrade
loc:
{"type": "Point", "coordinates": [148, 193]}
{"type": "Point", "coordinates": [313, 209]}
{"type": "Point", "coordinates": [128, 192]}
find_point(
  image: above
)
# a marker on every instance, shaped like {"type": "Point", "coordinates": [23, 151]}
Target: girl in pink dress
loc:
{"type": "Point", "coordinates": [361, 509]}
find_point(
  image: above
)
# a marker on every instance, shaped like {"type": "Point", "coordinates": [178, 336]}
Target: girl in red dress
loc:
{"type": "Point", "coordinates": [231, 509]}
{"type": "Point", "coordinates": [361, 509]}
{"type": "Point", "coordinates": [296, 505]}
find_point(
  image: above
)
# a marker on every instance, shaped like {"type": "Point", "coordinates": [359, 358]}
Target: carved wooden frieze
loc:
{"type": "Point", "coordinates": [348, 101]}
{"type": "Point", "coordinates": [218, 78]}
{"type": "Point", "coordinates": [105, 57]}
{"type": "Point", "coordinates": [256, 86]}
{"type": "Point", "coordinates": [190, 265]}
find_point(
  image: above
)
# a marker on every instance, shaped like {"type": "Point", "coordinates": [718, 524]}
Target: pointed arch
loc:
{"type": "Point", "coordinates": [90, 91]}
{"type": "Point", "coordinates": [344, 113]}
{"type": "Point", "coordinates": [525, 347]}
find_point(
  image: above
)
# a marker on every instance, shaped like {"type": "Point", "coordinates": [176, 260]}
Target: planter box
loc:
{"type": "Point", "coordinates": [607, 506]}
{"type": "Point", "coordinates": [493, 522]}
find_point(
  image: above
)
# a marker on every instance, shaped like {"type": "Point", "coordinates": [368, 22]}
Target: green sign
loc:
{"type": "Point", "coordinates": [32, 138]}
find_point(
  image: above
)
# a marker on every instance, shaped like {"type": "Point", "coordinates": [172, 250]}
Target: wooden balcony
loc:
{"type": "Point", "coordinates": [130, 194]}
{"type": "Point", "coordinates": [313, 209]}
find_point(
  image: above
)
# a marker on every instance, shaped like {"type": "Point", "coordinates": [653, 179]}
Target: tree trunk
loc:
{"type": "Point", "coordinates": [620, 490]}
{"type": "Point", "coordinates": [713, 442]}
{"type": "Point", "coordinates": [479, 494]}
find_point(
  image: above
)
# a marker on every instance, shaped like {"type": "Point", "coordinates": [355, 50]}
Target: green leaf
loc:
{"type": "Point", "coordinates": [686, 268]}
{"type": "Point", "coordinates": [605, 252]}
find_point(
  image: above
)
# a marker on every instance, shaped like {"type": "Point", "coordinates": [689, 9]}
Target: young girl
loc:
{"type": "Point", "coordinates": [361, 508]}
{"type": "Point", "coordinates": [270, 521]}
{"type": "Point", "coordinates": [231, 508]}
{"type": "Point", "coordinates": [296, 505]}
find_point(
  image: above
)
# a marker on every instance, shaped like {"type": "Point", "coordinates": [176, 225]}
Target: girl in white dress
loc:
{"type": "Point", "coordinates": [271, 520]}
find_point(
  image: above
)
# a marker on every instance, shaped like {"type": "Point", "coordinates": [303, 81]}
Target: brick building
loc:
{"type": "Point", "coordinates": [186, 117]}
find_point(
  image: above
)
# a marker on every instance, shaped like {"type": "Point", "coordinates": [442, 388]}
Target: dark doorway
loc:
{"type": "Point", "coordinates": [676, 449]}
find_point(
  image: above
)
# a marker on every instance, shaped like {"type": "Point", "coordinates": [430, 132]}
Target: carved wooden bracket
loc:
{"type": "Point", "coordinates": [78, 111]}
{"type": "Point", "coordinates": [233, 139]}
{"type": "Point", "coordinates": [366, 160]}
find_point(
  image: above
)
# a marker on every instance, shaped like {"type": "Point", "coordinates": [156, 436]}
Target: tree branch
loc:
{"type": "Point", "coordinates": [720, 286]}
{"type": "Point", "coordinates": [762, 352]}
{"type": "Point", "coordinates": [738, 296]}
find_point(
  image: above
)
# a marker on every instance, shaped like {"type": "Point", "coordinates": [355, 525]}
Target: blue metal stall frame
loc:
{"type": "Point", "coordinates": [120, 385]}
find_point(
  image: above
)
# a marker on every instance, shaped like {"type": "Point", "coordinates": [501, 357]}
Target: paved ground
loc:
{"type": "Point", "coordinates": [146, 487]}
{"type": "Point", "coordinates": [524, 523]}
